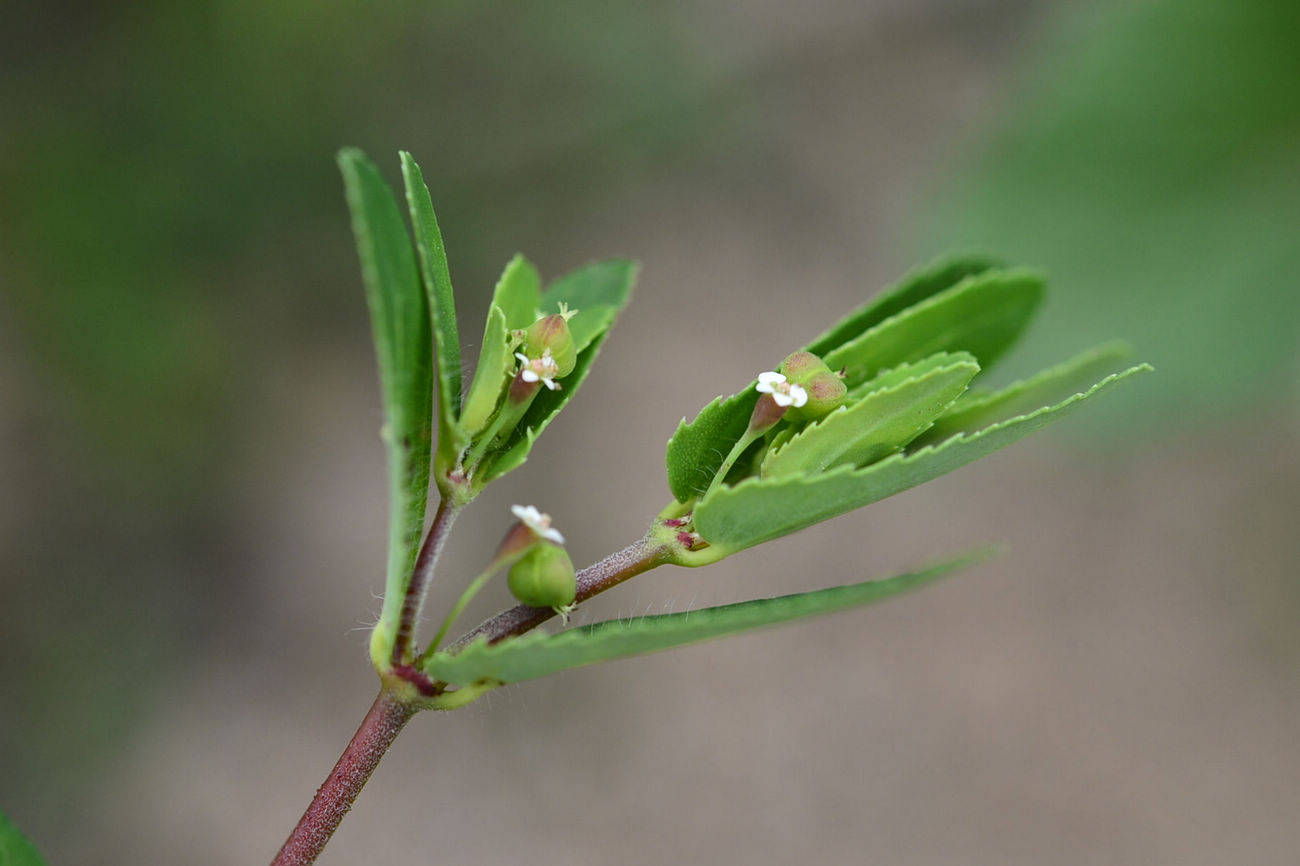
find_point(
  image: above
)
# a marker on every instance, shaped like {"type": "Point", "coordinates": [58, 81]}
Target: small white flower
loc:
{"type": "Point", "coordinates": [783, 393]}
{"type": "Point", "coordinates": [541, 369]}
{"type": "Point", "coordinates": [538, 522]}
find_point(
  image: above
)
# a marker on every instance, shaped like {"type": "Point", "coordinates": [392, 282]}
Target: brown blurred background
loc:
{"type": "Point", "coordinates": [193, 509]}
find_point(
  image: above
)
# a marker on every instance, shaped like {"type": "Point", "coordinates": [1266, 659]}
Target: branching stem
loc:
{"type": "Point", "coordinates": [390, 713]}
{"type": "Point", "coordinates": [632, 560]}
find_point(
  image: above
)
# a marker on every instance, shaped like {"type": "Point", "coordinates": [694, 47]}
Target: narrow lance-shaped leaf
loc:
{"type": "Point", "coordinates": [15, 850]}
{"type": "Point", "coordinates": [515, 303]}
{"type": "Point", "coordinates": [872, 428]}
{"type": "Point", "coordinates": [915, 286]}
{"type": "Point", "coordinates": [400, 321]}
{"type": "Point", "coordinates": [519, 293]}
{"type": "Point", "coordinates": [976, 410]}
{"type": "Point", "coordinates": [538, 655]}
{"type": "Point", "coordinates": [436, 277]}
{"type": "Point", "coordinates": [758, 510]}
{"type": "Point", "coordinates": [494, 365]}
{"type": "Point", "coordinates": [900, 374]}
{"type": "Point", "coordinates": [598, 292]}
{"type": "Point", "coordinates": [982, 315]}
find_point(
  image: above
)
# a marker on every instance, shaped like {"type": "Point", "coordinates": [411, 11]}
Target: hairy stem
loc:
{"type": "Point", "coordinates": [421, 579]}
{"type": "Point", "coordinates": [596, 578]}
{"type": "Point", "coordinates": [334, 798]}
{"type": "Point", "coordinates": [389, 714]}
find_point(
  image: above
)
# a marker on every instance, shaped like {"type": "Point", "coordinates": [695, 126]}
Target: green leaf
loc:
{"type": "Point", "coordinates": [874, 427]}
{"type": "Point", "coordinates": [537, 654]}
{"type": "Point", "coordinates": [598, 292]}
{"type": "Point", "coordinates": [604, 288]}
{"type": "Point", "coordinates": [437, 283]}
{"type": "Point", "coordinates": [698, 447]}
{"type": "Point", "coordinates": [757, 510]}
{"type": "Point", "coordinates": [15, 850]}
{"type": "Point", "coordinates": [903, 372]}
{"type": "Point", "coordinates": [494, 365]}
{"type": "Point", "coordinates": [982, 315]}
{"type": "Point", "coordinates": [914, 287]}
{"type": "Point", "coordinates": [400, 321]}
{"type": "Point", "coordinates": [519, 293]}
{"type": "Point", "coordinates": [976, 410]}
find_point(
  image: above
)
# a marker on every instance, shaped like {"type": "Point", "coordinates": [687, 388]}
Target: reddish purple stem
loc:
{"type": "Point", "coordinates": [596, 578]}
{"type": "Point", "coordinates": [334, 798]}
{"type": "Point", "coordinates": [421, 578]}
{"type": "Point", "coordinates": [388, 715]}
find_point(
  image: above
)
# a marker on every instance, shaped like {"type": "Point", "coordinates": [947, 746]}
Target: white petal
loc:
{"type": "Point", "coordinates": [528, 375]}
{"type": "Point", "coordinates": [798, 395]}
{"type": "Point", "coordinates": [550, 383]}
{"type": "Point", "coordinates": [538, 522]}
{"type": "Point", "coordinates": [769, 378]}
{"type": "Point", "coordinates": [782, 399]}
{"type": "Point", "coordinates": [763, 388]}
{"type": "Point", "coordinates": [523, 359]}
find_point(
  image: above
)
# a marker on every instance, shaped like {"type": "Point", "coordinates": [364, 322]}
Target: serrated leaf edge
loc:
{"type": "Point", "coordinates": [981, 262]}
{"type": "Point", "coordinates": [926, 452]}
{"type": "Point", "coordinates": [972, 283]}
{"type": "Point", "coordinates": [824, 601]}
{"type": "Point", "coordinates": [816, 426]}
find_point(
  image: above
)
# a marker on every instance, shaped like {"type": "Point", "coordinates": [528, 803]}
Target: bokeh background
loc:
{"type": "Point", "coordinates": [193, 496]}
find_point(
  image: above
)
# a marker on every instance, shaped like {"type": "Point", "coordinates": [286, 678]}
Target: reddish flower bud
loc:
{"type": "Point", "coordinates": [551, 333]}
{"type": "Point", "coordinates": [825, 389]}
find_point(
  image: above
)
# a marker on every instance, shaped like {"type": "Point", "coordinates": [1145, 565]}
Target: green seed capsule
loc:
{"type": "Point", "coordinates": [552, 332]}
{"type": "Point", "coordinates": [543, 577]}
{"type": "Point", "coordinates": [825, 389]}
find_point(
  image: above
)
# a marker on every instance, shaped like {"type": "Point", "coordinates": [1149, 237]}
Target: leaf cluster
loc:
{"type": "Point", "coordinates": [909, 357]}
{"type": "Point", "coordinates": [413, 318]}
{"type": "Point", "coordinates": [911, 360]}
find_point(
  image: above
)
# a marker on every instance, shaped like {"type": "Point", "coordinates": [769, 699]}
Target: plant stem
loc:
{"type": "Point", "coordinates": [422, 577]}
{"type": "Point", "coordinates": [736, 450]}
{"type": "Point", "coordinates": [632, 560]}
{"type": "Point", "coordinates": [334, 798]}
{"type": "Point", "coordinates": [389, 714]}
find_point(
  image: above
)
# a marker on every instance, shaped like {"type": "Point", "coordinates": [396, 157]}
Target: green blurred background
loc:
{"type": "Point", "coordinates": [192, 524]}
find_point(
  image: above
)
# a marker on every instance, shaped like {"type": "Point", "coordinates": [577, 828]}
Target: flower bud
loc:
{"type": "Point", "coordinates": [552, 332]}
{"type": "Point", "coordinates": [801, 366]}
{"type": "Point", "coordinates": [826, 390]}
{"type": "Point", "coordinates": [544, 577]}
